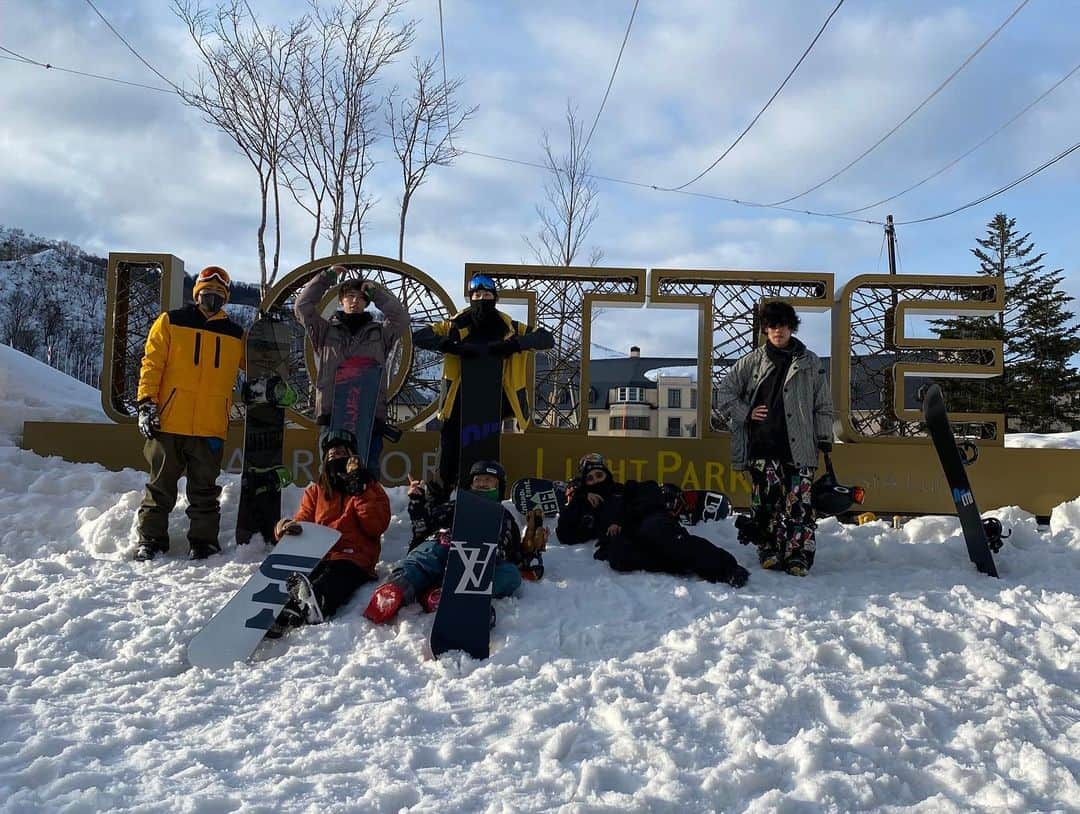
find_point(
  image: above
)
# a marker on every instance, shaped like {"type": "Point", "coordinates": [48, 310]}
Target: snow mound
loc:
{"type": "Point", "coordinates": [1062, 440]}
{"type": "Point", "coordinates": [32, 391]}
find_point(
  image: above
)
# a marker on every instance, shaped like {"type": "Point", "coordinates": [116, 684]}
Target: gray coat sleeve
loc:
{"type": "Point", "coordinates": [397, 318]}
{"type": "Point", "coordinates": [823, 406]}
{"type": "Point", "coordinates": [307, 308]}
{"type": "Point", "coordinates": [729, 395]}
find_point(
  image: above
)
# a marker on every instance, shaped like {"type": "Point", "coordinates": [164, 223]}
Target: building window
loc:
{"type": "Point", "coordinates": [592, 424]}
{"type": "Point", "coordinates": [615, 422]}
{"type": "Point", "coordinates": [674, 397]}
{"type": "Point", "coordinates": [631, 394]}
{"type": "Point", "coordinates": [674, 427]}
{"type": "Point", "coordinates": [693, 398]}
{"type": "Point", "coordinates": [637, 422]}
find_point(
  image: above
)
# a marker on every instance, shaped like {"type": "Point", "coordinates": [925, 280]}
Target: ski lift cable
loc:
{"type": "Point", "coordinates": [776, 93]}
{"type": "Point", "coordinates": [611, 81]}
{"type": "Point", "coordinates": [960, 158]}
{"type": "Point", "coordinates": [1050, 162]}
{"type": "Point", "coordinates": [138, 56]}
{"type": "Point", "coordinates": [910, 115]}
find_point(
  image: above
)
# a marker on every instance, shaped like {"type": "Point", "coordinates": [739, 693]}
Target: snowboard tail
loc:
{"type": "Point", "coordinates": [952, 463]}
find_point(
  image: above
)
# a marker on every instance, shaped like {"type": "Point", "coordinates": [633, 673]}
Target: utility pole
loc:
{"type": "Point", "coordinates": [890, 238]}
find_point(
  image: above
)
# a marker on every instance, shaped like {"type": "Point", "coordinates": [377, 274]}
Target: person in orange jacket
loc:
{"type": "Point", "coordinates": [188, 372]}
{"type": "Point", "coordinates": [349, 499]}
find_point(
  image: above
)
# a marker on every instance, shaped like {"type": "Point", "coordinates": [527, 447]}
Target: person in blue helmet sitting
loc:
{"type": "Point", "coordinates": [419, 575]}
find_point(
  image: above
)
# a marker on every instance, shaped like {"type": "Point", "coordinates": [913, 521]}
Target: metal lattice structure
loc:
{"type": "Point", "coordinates": [733, 315]}
{"type": "Point", "coordinates": [136, 305]}
{"type": "Point", "coordinates": [561, 301]}
{"type": "Point", "coordinates": [876, 347]}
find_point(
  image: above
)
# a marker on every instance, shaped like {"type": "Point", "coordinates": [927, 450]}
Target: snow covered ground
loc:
{"type": "Point", "coordinates": [893, 678]}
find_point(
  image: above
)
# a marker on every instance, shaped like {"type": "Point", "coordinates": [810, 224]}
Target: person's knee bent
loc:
{"type": "Point", "coordinates": [505, 580]}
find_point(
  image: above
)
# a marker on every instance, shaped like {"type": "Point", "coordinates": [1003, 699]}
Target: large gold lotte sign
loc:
{"type": "Point", "coordinates": [875, 366]}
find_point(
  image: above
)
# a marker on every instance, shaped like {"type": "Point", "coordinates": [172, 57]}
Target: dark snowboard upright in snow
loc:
{"type": "Point", "coordinates": [463, 618]}
{"type": "Point", "coordinates": [481, 412]}
{"type": "Point", "coordinates": [531, 493]}
{"type": "Point", "coordinates": [356, 392]}
{"type": "Point", "coordinates": [937, 422]}
{"type": "Point", "coordinates": [268, 345]}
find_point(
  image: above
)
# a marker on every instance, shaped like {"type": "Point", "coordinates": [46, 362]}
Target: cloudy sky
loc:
{"type": "Point", "coordinates": [119, 168]}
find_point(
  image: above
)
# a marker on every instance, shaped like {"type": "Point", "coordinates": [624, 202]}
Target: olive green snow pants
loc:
{"type": "Point", "coordinates": [171, 456]}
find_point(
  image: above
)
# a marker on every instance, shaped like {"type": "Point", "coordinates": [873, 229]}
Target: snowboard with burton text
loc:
{"type": "Point", "coordinates": [234, 632]}
{"type": "Point", "coordinates": [356, 392]}
{"type": "Point", "coordinates": [937, 423]}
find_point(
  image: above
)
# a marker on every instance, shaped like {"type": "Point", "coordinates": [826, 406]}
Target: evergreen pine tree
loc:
{"type": "Point", "coordinates": [1033, 327]}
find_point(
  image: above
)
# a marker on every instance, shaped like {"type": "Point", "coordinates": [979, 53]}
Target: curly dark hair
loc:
{"type": "Point", "coordinates": [775, 313]}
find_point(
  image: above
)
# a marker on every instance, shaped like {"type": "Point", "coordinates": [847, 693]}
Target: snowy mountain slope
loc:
{"type": "Point", "coordinates": [893, 678]}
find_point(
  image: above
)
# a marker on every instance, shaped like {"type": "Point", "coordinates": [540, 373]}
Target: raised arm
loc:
{"type": "Point", "coordinates": [397, 318]}
{"type": "Point", "coordinates": [307, 306]}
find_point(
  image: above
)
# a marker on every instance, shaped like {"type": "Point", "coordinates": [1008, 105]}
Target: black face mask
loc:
{"type": "Point", "coordinates": [482, 309]}
{"type": "Point", "coordinates": [354, 322]}
{"type": "Point", "coordinates": [211, 303]}
{"type": "Point", "coordinates": [335, 471]}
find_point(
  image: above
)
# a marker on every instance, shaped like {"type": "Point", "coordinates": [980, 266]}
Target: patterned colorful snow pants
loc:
{"type": "Point", "coordinates": [783, 517]}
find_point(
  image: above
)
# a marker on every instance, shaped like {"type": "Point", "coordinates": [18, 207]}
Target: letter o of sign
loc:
{"type": "Point", "coordinates": [414, 377]}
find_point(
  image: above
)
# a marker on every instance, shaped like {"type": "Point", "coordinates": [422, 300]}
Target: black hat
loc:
{"type": "Point", "coordinates": [490, 468]}
{"type": "Point", "coordinates": [338, 438]}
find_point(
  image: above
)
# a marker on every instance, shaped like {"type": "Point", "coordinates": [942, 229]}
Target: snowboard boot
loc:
{"type": "Point", "coordinates": [738, 577]}
{"type": "Point", "coordinates": [535, 538]}
{"type": "Point", "coordinates": [290, 615]}
{"type": "Point", "coordinates": [769, 557]}
{"type": "Point", "coordinates": [796, 565]}
{"type": "Point", "coordinates": [201, 549]}
{"type": "Point", "coordinates": [302, 594]}
{"type": "Point", "coordinates": [429, 600]}
{"type": "Point", "coordinates": [148, 549]}
{"type": "Point", "coordinates": [388, 599]}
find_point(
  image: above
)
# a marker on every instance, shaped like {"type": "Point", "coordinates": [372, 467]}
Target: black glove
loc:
{"type": "Point", "coordinates": [825, 446]}
{"type": "Point", "coordinates": [149, 420]}
{"type": "Point", "coordinates": [355, 482]}
{"type": "Point", "coordinates": [466, 350]}
{"type": "Point", "coordinates": [505, 347]}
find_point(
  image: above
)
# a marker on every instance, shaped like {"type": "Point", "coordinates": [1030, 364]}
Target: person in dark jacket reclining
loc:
{"type": "Point", "coordinates": [636, 529]}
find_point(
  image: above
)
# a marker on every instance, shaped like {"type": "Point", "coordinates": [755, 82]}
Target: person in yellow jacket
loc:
{"type": "Point", "coordinates": [188, 373]}
{"type": "Point", "coordinates": [479, 330]}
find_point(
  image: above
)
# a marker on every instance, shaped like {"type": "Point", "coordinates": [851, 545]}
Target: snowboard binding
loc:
{"type": "Point", "coordinates": [995, 534]}
{"type": "Point", "coordinates": [271, 390]}
{"type": "Point", "coordinates": [266, 479]}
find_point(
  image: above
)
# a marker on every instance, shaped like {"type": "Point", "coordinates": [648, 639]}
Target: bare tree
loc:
{"type": "Point", "coordinates": [17, 321]}
{"type": "Point", "coordinates": [422, 127]}
{"type": "Point", "coordinates": [240, 88]}
{"type": "Point", "coordinates": [333, 102]}
{"type": "Point", "coordinates": [570, 207]}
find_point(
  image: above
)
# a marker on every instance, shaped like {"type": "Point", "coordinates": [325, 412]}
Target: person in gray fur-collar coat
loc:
{"type": "Point", "coordinates": [781, 416]}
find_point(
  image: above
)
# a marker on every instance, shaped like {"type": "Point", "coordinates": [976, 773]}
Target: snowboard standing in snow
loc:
{"type": "Point", "coordinates": [236, 630]}
{"type": "Point", "coordinates": [463, 618]}
{"type": "Point", "coordinates": [937, 422]}
{"type": "Point", "coordinates": [268, 346]}
{"type": "Point", "coordinates": [481, 414]}
{"type": "Point", "coordinates": [531, 493]}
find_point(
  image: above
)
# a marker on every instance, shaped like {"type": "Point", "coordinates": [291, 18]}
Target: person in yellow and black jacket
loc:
{"type": "Point", "coordinates": [479, 330]}
{"type": "Point", "coordinates": [188, 373]}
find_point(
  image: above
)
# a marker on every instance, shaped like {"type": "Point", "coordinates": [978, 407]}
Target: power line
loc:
{"type": "Point", "coordinates": [776, 93]}
{"type": "Point", "coordinates": [957, 160]}
{"type": "Point", "coordinates": [611, 81]}
{"type": "Point", "coordinates": [446, 94]}
{"type": "Point", "coordinates": [1067, 151]}
{"type": "Point", "coordinates": [910, 115]}
{"type": "Point", "coordinates": [138, 56]}
{"type": "Point", "coordinates": [27, 61]}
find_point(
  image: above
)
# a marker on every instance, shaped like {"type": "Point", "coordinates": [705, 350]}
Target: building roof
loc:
{"type": "Point", "coordinates": [627, 371]}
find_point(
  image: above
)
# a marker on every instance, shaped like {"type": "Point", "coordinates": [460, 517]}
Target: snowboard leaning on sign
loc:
{"type": "Point", "coordinates": [356, 396]}
{"type": "Point", "coordinates": [263, 474]}
{"type": "Point", "coordinates": [236, 630]}
{"type": "Point", "coordinates": [952, 462]}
